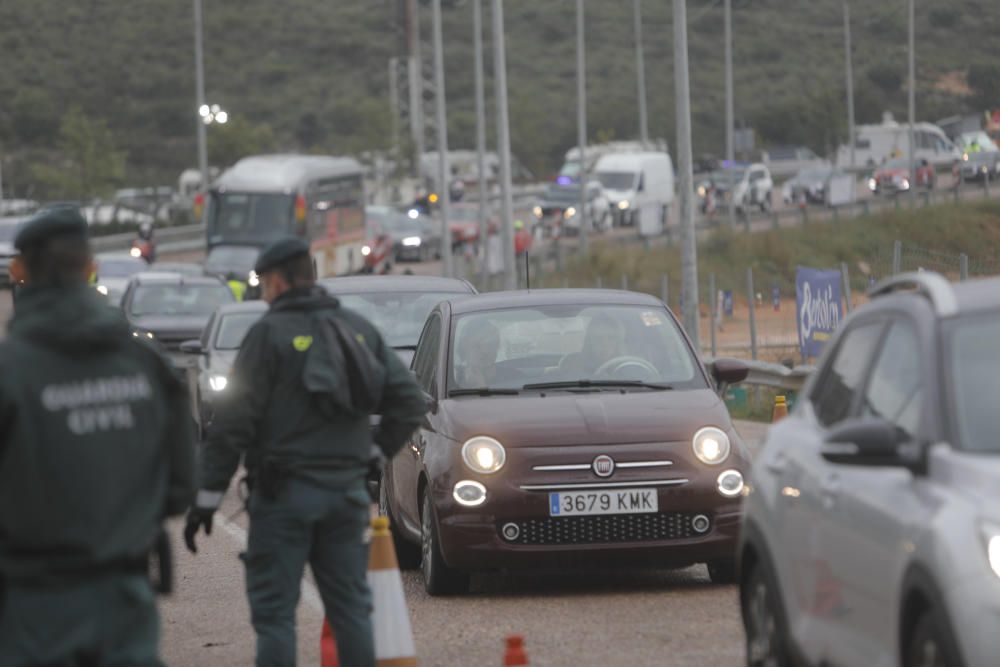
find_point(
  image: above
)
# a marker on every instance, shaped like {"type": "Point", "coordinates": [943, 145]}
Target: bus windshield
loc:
{"type": "Point", "coordinates": [244, 216]}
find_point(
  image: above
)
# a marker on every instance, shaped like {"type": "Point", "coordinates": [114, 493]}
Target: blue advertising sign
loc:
{"type": "Point", "coordinates": [727, 302]}
{"type": "Point", "coordinates": [819, 307]}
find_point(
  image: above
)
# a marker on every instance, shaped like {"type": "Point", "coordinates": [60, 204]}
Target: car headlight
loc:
{"type": "Point", "coordinates": [872, 184]}
{"type": "Point", "coordinates": [702, 191]}
{"type": "Point", "coordinates": [483, 454]}
{"type": "Point", "coordinates": [711, 445]}
{"type": "Point", "coordinates": [413, 214]}
{"type": "Point", "coordinates": [103, 289]}
{"type": "Point", "coordinates": [570, 212]}
{"type": "Point", "coordinates": [905, 184]}
{"type": "Point", "coordinates": [135, 252]}
{"type": "Point", "coordinates": [217, 382]}
{"type": "Point", "coordinates": [623, 205]}
{"type": "Point", "coordinates": [537, 211]}
{"type": "Point", "coordinates": [366, 250]}
{"type": "Point", "coordinates": [253, 279]}
{"type": "Point", "coordinates": [730, 483]}
{"type": "Point", "coordinates": [412, 242]}
{"type": "Point", "coordinates": [143, 334]}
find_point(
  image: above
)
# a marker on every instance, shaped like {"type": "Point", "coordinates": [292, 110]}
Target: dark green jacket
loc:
{"type": "Point", "coordinates": [268, 412]}
{"type": "Point", "coordinates": [96, 442]}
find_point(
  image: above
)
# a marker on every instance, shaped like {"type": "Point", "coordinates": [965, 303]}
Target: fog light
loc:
{"type": "Point", "coordinates": [700, 524]}
{"type": "Point", "coordinates": [730, 483]}
{"type": "Point", "coordinates": [469, 493]}
{"type": "Point", "coordinates": [511, 531]}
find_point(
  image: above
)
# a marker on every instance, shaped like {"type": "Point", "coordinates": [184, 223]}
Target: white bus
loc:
{"type": "Point", "coordinates": [261, 198]}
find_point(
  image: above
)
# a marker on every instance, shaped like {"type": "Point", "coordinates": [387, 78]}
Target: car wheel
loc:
{"type": "Point", "coordinates": [763, 620]}
{"type": "Point", "coordinates": [931, 644]}
{"type": "Point", "coordinates": [407, 553]}
{"type": "Point", "coordinates": [722, 571]}
{"type": "Point", "coordinates": [439, 579]}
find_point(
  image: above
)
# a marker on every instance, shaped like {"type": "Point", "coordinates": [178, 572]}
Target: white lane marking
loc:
{"type": "Point", "coordinates": [309, 592]}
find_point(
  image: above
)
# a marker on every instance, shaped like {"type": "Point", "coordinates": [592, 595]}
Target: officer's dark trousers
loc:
{"type": "Point", "coordinates": [108, 621]}
{"type": "Point", "coordinates": [324, 527]}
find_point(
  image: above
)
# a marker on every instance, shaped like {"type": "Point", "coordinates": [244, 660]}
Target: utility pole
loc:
{"type": "Point", "coordinates": [415, 79]}
{"type": "Point", "coordinates": [394, 104]}
{"type": "Point", "coordinates": [444, 173]}
{"type": "Point", "coordinates": [850, 81]}
{"type": "Point", "coordinates": [581, 123]}
{"type": "Point", "coordinates": [640, 69]}
{"type": "Point", "coordinates": [912, 111]}
{"type": "Point", "coordinates": [503, 147]}
{"type": "Point", "coordinates": [199, 78]}
{"type": "Point", "coordinates": [477, 41]}
{"type": "Point", "coordinates": [730, 119]}
{"type": "Point", "coordinates": [689, 251]}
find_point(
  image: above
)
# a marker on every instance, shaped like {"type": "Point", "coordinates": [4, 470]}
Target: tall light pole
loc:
{"type": "Point", "coordinates": [477, 41]}
{"type": "Point", "coordinates": [503, 147]}
{"type": "Point", "coordinates": [640, 71]}
{"type": "Point", "coordinates": [415, 81]}
{"type": "Point", "coordinates": [199, 77]}
{"type": "Point", "coordinates": [689, 252]}
{"type": "Point", "coordinates": [730, 114]}
{"type": "Point", "coordinates": [850, 81]}
{"type": "Point", "coordinates": [581, 123]}
{"type": "Point", "coordinates": [444, 173]}
{"type": "Point", "coordinates": [912, 103]}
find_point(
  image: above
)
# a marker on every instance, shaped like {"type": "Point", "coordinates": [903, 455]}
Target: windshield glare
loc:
{"type": "Point", "coordinates": [567, 343]}
{"type": "Point", "coordinates": [193, 300]}
{"type": "Point", "coordinates": [233, 329]}
{"type": "Point", "coordinates": [973, 360]}
{"type": "Point", "coordinates": [399, 316]}
{"type": "Point", "coordinates": [617, 180]}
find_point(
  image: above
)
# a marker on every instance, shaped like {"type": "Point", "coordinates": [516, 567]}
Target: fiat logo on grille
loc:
{"type": "Point", "coordinates": [603, 466]}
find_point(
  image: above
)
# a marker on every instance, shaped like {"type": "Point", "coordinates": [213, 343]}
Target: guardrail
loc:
{"type": "Point", "coordinates": [168, 239]}
{"type": "Point", "coordinates": [778, 376]}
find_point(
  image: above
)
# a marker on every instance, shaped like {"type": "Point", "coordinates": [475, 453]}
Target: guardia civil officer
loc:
{"type": "Point", "coordinates": [96, 449]}
{"type": "Point", "coordinates": [296, 409]}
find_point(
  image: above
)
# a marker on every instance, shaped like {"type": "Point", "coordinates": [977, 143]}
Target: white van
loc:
{"type": "Point", "coordinates": [874, 144]}
{"type": "Point", "coordinates": [640, 187]}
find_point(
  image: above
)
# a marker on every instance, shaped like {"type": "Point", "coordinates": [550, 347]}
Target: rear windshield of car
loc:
{"type": "Point", "coordinates": [399, 316]}
{"type": "Point", "coordinates": [973, 361]}
{"type": "Point", "coordinates": [233, 329]}
{"type": "Point", "coordinates": [119, 268]}
{"type": "Point", "coordinates": [224, 258]}
{"type": "Point", "coordinates": [179, 300]}
{"type": "Point", "coordinates": [567, 343]}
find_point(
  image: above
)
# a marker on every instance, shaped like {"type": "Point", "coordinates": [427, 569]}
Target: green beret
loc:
{"type": "Point", "coordinates": [50, 222]}
{"type": "Point", "coordinates": [280, 252]}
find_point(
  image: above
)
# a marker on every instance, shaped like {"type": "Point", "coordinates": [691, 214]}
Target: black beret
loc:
{"type": "Point", "coordinates": [280, 252]}
{"type": "Point", "coordinates": [54, 221]}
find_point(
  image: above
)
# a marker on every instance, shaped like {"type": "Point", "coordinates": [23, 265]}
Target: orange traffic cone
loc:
{"type": "Point", "coordinates": [780, 409]}
{"type": "Point", "coordinates": [515, 654]}
{"type": "Point", "coordinates": [328, 647]}
{"type": "Point", "coordinates": [391, 622]}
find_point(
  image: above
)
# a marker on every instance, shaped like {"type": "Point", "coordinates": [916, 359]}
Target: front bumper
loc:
{"type": "Point", "coordinates": [474, 538]}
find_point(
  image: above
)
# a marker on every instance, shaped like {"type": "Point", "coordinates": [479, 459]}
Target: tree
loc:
{"type": "Point", "coordinates": [91, 166]}
{"type": "Point", "coordinates": [984, 80]}
{"type": "Point", "coordinates": [33, 117]}
{"type": "Point", "coordinates": [237, 139]}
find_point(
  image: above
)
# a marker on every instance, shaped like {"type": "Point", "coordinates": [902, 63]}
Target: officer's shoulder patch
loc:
{"type": "Point", "coordinates": [302, 343]}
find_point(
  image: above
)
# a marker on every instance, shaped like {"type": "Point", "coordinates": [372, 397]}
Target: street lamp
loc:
{"type": "Point", "coordinates": [213, 114]}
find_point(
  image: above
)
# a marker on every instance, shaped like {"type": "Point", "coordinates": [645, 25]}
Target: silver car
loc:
{"type": "Point", "coordinates": [871, 532]}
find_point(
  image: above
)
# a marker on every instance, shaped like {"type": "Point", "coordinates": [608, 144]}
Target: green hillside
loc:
{"type": "Point", "coordinates": [313, 75]}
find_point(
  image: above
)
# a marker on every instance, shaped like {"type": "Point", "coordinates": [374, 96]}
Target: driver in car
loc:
{"type": "Point", "coordinates": [604, 341]}
{"type": "Point", "coordinates": [479, 348]}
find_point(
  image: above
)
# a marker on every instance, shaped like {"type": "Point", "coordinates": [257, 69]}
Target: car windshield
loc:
{"type": "Point", "coordinates": [403, 224]}
{"type": "Point", "coordinates": [178, 299]}
{"type": "Point", "coordinates": [617, 180]}
{"type": "Point", "coordinates": [233, 329]}
{"type": "Point", "coordinates": [572, 344]}
{"type": "Point", "coordinates": [973, 361]}
{"type": "Point", "coordinates": [727, 177]}
{"type": "Point", "coordinates": [563, 193]}
{"type": "Point", "coordinates": [255, 217]}
{"type": "Point", "coordinates": [399, 316]}
{"type": "Point", "coordinates": [119, 267]}
{"type": "Point", "coordinates": [222, 259]}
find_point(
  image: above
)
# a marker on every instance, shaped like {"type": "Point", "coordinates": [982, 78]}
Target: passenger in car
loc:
{"type": "Point", "coordinates": [479, 346]}
{"type": "Point", "coordinates": [604, 340]}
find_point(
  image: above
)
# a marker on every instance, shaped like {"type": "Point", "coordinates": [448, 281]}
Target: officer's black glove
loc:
{"type": "Point", "coordinates": [197, 517]}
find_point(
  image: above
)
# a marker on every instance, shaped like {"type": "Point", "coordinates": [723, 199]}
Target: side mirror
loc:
{"type": "Point", "coordinates": [728, 371]}
{"type": "Point", "coordinates": [192, 347]}
{"type": "Point", "coordinates": [866, 441]}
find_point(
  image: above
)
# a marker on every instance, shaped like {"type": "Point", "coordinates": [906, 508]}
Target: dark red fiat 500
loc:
{"type": "Point", "coordinates": [565, 428]}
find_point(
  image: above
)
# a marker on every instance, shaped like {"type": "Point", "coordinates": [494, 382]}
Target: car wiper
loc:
{"type": "Point", "coordinates": [484, 391]}
{"type": "Point", "coordinates": [597, 384]}
{"type": "Point", "coordinates": [405, 347]}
